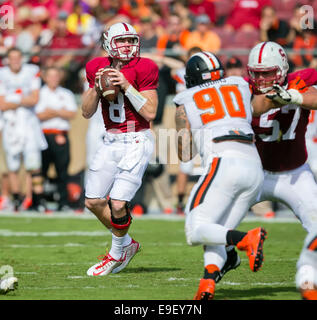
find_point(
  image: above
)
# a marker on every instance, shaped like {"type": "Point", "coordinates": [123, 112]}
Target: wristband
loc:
{"type": "Point", "coordinates": [136, 99]}
{"type": "Point", "coordinates": [296, 96]}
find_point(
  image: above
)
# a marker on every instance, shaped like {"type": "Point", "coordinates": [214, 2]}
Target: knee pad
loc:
{"type": "Point", "coordinates": [123, 222]}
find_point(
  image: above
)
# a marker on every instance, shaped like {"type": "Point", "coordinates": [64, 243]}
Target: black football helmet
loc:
{"type": "Point", "coordinates": [203, 67]}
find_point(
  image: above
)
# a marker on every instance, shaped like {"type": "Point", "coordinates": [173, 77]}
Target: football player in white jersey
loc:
{"type": "Point", "coordinates": [22, 135]}
{"type": "Point", "coordinates": [306, 275]}
{"type": "Point", "coordinates": [214, 117]}
{"type": "Point", "coordinates": [185, 168]}
{"type": "Point", "coordinates": [311, 141]}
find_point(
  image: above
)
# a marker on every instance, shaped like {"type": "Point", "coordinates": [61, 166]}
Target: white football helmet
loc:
{"type": "Point", "coordinates": [267, 57]}
{"type": "Point", "coordinates": [121, 30]}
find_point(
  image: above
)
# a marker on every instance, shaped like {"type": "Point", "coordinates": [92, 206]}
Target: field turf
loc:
{"type": "Point", "coordinates": [50, 257]}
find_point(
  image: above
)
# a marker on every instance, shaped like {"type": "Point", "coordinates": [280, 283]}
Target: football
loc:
{"type": "Point", "coordinates": [106, 87]}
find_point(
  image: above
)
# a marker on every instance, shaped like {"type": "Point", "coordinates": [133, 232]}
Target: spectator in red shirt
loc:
{"type": "Point", "coordinates": [65, 43]}
{"type": "Point", "coordinates": [60, 5]}
{"type": "Point", "coordinates": [246, 14]}
{"type": "Point", "coordinates": [199, 7]}
{"type": "Point", "coordinates": [63, 39]}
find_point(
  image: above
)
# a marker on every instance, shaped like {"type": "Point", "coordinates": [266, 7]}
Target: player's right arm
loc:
{"type": "Point", "coordinates": [91, 97]}
{"type": "Point", "coordinates": [185, 147]}
{"type": "Point", "coordinates": [261, 104]}
{"type": "Point", "coordinates": [90, 103]}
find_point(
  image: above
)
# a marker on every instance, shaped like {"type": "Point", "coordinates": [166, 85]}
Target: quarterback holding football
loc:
{"type": "Point", "coordinates": [117, 168]}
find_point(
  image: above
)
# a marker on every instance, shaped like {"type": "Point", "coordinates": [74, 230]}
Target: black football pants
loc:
{"type": "Point", "coordinates": [58, 153]}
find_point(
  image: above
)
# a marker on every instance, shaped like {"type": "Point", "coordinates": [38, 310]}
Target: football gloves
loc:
{"type": "Point", "coordinates": [283, 96]}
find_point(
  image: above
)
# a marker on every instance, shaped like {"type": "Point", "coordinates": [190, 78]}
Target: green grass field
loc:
{"type": "Point", "coordinates": [50, 257]}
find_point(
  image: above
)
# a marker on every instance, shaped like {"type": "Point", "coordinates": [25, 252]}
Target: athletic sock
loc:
{"type": "Point", "coordinates": [180, 198]}
{"type": "Point", "coordinates": [16, 200]}
{"type": "Point", "coordinates": [233, 237]}
{"type": "Point", "coordinates": [116, 247]}
{"type": "Point", "coordinates": [126, 240]}
{"type": "Point", "coordinates": [211, 272]}
{"type": "Point", "coordinates": [229, 248]}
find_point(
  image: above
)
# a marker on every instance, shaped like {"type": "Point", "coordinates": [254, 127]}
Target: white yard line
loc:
{"type": "Point", "coordinates": [223, 283]}
{"type": "Point", "coordinates": [10, 233]}
{"type": "Point", "coordinates": [128, 286]}
{"type": "Point", "coordinates": [25, 273]}
{"type": "Point", "coordinates": [283, 216]}
{"type": "Point", "coordinates": [16, 246]}
{"type": "Point", "coordinates": [269, 284]}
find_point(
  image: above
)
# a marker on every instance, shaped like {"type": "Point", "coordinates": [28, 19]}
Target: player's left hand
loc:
{"type": "Point", "coordinates": [118, 78]}
{"type": "Point", "coordinates": [280, 95]}
{"type": "Point", "coordinates": [283, 96]}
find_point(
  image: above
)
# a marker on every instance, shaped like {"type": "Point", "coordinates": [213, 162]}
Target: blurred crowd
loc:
{"type": "Point", "coordinates": [66, 34]}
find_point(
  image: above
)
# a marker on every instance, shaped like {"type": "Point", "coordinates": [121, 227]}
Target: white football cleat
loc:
{"type": "Point", "coordinates": [8, 284]}
{"type": "Point", "coordinates": [306, 282]}
{"type": "Point", "coordinates": [5, 204]}
{"type": "Point", "coordinates": [128, 253]}
{"type": "Point", "coordinates": [104, 267]}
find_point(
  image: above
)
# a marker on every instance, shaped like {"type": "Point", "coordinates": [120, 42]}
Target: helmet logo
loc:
{"type": "Point", "coordinates": [282, 54]}
{"type": "Point", "coordinates": [125, 27]}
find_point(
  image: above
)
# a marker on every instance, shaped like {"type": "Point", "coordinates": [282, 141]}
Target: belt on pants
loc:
{"type": "Point", "coordinates": [54, 131]}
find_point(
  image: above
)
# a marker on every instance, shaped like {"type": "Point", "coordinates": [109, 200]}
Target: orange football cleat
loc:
{"type": "Point", "coordinates": [309, 294]}
{"type": "Point", "coordinates": [206, 290]}
{"type": "Point", "coordinates": [252, 243]}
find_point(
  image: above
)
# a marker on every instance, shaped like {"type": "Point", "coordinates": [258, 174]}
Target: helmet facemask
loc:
{"type": "Point", "coordinates": [117, 50]}
{"type": "Point", "coordinates": [263, 79]}
{"type": "Point", "coordinates": [117, 32]}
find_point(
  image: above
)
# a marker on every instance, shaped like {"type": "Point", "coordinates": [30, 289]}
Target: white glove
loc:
{"type": "Point", "coordinates": [283, 96]}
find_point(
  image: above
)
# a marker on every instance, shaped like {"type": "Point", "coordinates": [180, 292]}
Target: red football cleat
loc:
{"type": "Point", "coordinates": [104, 267]}
{"type": "Point", "coordinates": [128, 252]}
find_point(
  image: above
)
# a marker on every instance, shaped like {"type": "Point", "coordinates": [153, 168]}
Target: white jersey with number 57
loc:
{"type": "Point", "coordinates": [218, 111]}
